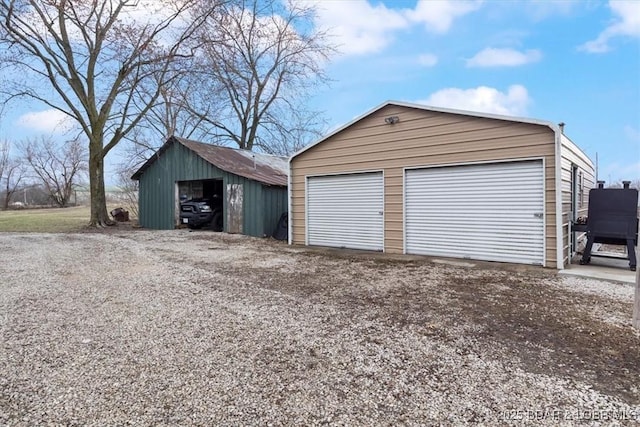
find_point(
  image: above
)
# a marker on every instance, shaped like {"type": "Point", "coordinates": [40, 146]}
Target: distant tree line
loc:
{"type": "Point", "coordinates": [635, 183]}
{"type": "Point", "coordinates": [41, 171]}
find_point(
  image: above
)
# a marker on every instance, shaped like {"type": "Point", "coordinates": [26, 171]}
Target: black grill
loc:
{"type": "Point", "coordinates": [612, 220]}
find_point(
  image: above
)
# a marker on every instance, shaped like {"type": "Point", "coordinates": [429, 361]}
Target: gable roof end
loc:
{"type": "Point", "coordinates": [551, 125]}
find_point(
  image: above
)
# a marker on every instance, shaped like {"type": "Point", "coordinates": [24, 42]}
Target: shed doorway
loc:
{"type": "Point", "coordinates": [207, 190]}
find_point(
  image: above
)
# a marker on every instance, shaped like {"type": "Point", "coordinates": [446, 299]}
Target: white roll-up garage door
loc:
{"type": "Point", "coordinates": [346, 211]}
{"type": "Point", "coordinates": [488, 212]}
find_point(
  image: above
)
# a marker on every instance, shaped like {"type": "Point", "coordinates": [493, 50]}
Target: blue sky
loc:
{"type": "Point", "coordinates": [561, 61]}
{"type": "Point", "coordinates": [576, 62]}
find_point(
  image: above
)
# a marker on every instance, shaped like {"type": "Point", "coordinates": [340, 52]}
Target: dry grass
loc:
{"type": "Point", "coordinates": [51, 220]}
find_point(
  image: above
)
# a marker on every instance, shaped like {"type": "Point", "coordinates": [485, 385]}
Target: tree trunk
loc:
{"type": "Point", "coordinates": [99, 215]}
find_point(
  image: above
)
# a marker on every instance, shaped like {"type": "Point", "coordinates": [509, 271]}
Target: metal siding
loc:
{"type": "Point", "coordinates": [248, 221]}
{"type": "Point", "coordinates": [346, 211]}
{"type": "Point", "coordinates": [157, 183]}
{"type": "Point", "coordinates": [274, 201]}
{"type": "Point", "coordinates": [252, 221]}
{"type": "Point", "coordinates": [484, 212]}
{"type": "Point", "coordinates": [571, 156]}
{"type": "Point", "coordinates": [235, 212]}
{"type": "Point", "coordinates": [420, 139]}
{"type": "Point", "coordinates": [253, 215]}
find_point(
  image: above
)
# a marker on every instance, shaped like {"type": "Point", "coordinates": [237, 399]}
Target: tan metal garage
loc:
{"type": "Point", "coordinates": [406, 178]}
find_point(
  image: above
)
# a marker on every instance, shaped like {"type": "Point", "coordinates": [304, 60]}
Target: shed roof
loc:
{"type": "Point", "coordinates": [551, 125]}
{"type": "Point", "coordinates": [265, 168]}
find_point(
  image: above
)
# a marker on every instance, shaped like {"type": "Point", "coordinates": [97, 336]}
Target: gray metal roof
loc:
{"type": "Point", "coordinates": [265, 168]}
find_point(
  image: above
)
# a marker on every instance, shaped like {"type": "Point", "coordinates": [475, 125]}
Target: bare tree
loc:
{"type": "Point", "coordinates": [57, 166]}
{"type": "Point", "coordinates": [12, 173]}
{"type": "Point", "coordinates": [263, 57]}
{"type": "Point", "coordinates": [128, 190]}
{"type": "Point", "coordinates": [169, 116]}
{"type": "Point", "coordinates": [100, 62]}
{"type": "Point", "coordinates": [292, 130]}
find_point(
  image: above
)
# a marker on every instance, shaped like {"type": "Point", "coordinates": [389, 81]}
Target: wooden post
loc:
{"type": "Point", "coordinates": [636, 305]}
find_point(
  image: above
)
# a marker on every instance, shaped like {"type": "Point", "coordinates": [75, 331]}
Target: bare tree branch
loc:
{"type": "Point", "coordinates": [12, 173]}
{"type": "Point", "coordinates": [265, 58]}
{"type": "Point", "coordinates": [103, 64]}
{"type": "Point", "coordinates": [58, 167]}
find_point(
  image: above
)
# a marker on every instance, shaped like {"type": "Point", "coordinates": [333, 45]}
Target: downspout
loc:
{"type": "Point", "coordinates": [558, 193]}
{"type": "Point", "coordinates": [290, 212]}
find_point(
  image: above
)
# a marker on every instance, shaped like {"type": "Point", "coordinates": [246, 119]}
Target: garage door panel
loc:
{"type": "Point", "coordinates": [487, 243]}
{"type": "Point", "coordinates": [486, 233]}
{"type": "Point", "coordinates": [490, 212]}
{"type": "Point", "coordinates": [472, 213]}
{"type": "Point", "coordinates": [511, 256]}
{"type": "Point", "coordinates": [346, 211]}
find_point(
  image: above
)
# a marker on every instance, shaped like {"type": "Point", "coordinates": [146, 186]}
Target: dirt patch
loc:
{"type": "Point", "coordinates": [550, 330]}
{"type": "Point", "coordinates": [553, 332]}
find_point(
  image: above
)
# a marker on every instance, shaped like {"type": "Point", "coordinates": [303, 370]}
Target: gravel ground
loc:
{"type": "Point", "coordinates": [180, 328]}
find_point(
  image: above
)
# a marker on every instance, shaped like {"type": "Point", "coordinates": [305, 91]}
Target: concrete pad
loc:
{"type": "Point", "coordinates": [601, 268]}
{"type": "Point", "coordinates": [453, 263]}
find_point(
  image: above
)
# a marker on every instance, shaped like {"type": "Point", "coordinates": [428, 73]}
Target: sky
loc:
{"type": "Point", "coordinates": [576, 62]}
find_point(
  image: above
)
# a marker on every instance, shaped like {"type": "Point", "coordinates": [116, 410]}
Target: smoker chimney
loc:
{"type": "Point", "coordinates": [600, 184]}
{"type": "Point", "coordinates": [561, 126]}
{"type": "Point", "coordinates": [625, 184]}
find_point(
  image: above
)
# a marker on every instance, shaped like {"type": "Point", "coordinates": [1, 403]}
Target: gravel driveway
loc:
{"type": "Point", "coordinates": [180, 328]}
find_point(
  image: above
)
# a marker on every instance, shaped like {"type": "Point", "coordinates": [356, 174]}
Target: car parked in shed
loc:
{"type": "Point", "coordinates": [199, 212]}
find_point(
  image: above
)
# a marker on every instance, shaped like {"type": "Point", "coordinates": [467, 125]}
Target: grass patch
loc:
{"type": "Point", "coordinates": [54, 220]}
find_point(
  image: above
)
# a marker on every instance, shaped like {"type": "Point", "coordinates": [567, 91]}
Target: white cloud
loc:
{"type": "Point", "coordinates": [632, 133]}
{"type": "Point", "coordinates": [358, 27]}
{"type": "Point", "coordinates": [491, 57]}
{"type": "Point", "coordinates": [438, 15]}
{"type": "Point", "coordinates": [627, 23]}
{"type": "Point", "coordinates": [50, 121]}
{"type": "Point", "coordinates": [427, 59]}
{"type": "Point", "coordinates": [541, 9]}
{"type": "Point", "coordinates": [482, 99]}
{"type": "Point", "coordinates": [142, 12]}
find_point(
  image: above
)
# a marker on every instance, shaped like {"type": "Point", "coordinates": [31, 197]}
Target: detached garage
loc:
{"type": "Point", "coordinates": [252, 187]}
{"type": "Point", "coordinates": [406, 178]}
